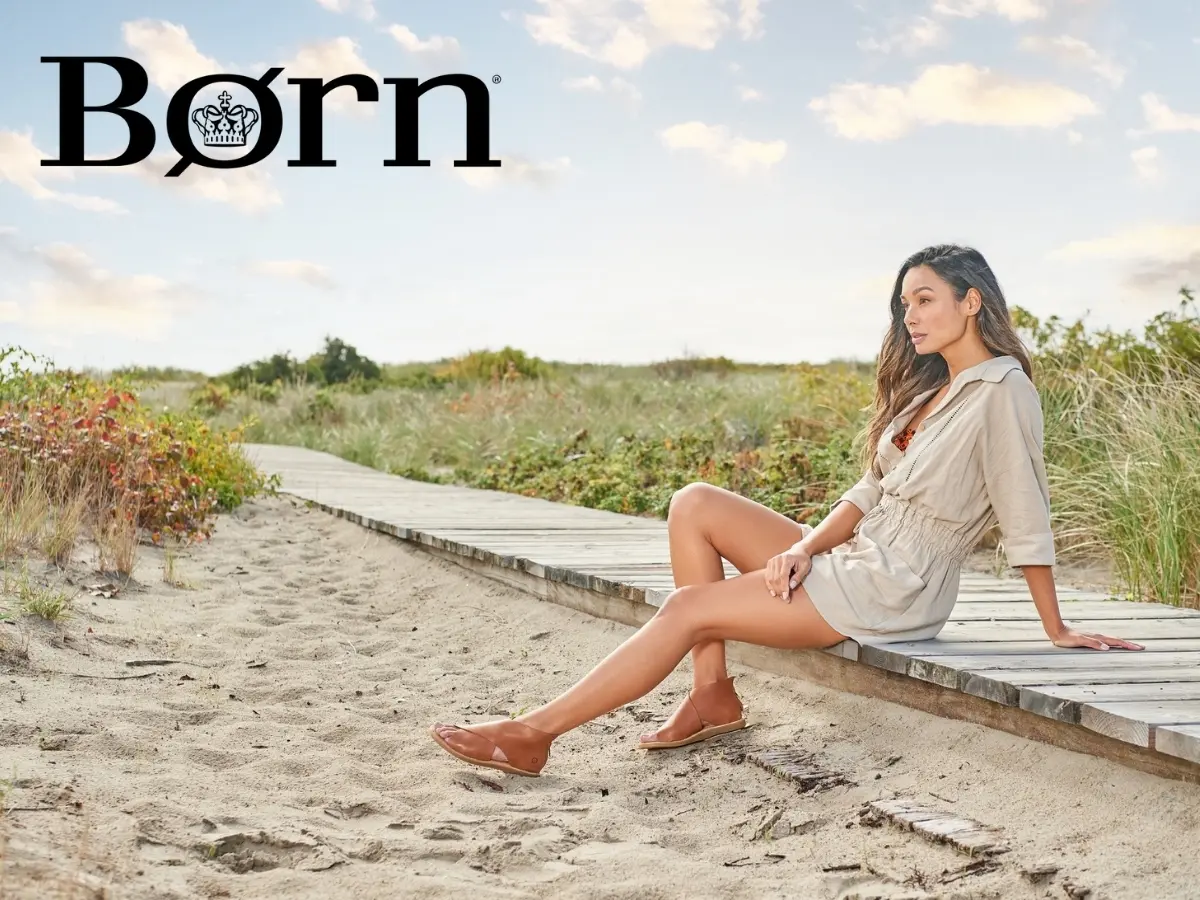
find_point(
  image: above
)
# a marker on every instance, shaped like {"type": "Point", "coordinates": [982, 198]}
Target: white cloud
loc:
{"type": "Point", "coordinates": [1160, 242]}
{"type": "Point", "coordinates": [749, 94]}
{"type": "Point", "coordinates": [513, 170]}
{"type": "Point", "coordinates": [171, 58]}
{"type": "Point", "coordinates": [328, 60]}
{"type": "Point", "coordinates": [293, 270]}
{"type": "Point", "coordinates": [750, 19]}
{"type": "Point", "coordinates": [434, 47]}
{"type": "Point", "coordinates": [715, 141]}
{"type": "Point", "coordinates": [616, 85]}
{"type": "Point", "coordinates": [588, 83]}
{"type": "Point", "coordinates": [1154, 257]}
{"type": "Point", "coordinates": [915, 36]}
{"type": "Point", "coordinates": [1145, 163]}
{"type": "Point", "coordinates": [249, 189]}
{"type": "Point", "coordinates": [623, 33]}
{"type": "Point", "coordinates": [80, 297]}
{"type": "Point", "coordinates": [364, 9]}
{"type": "Point", "coordinates": [20, 165]}
{"type": "Point", "coordinates": [1160, 117]}
{"type": "Point", "coordinates": [1074, 137]}
{"type": "Point", "coordinates": [167, 53]}
{"type": "Point", "coordinates": [1073, 51]}
{"type": "Point", "coordinates": [1013, 10]}
{"type": "Point", "coordinates": [960, 94]}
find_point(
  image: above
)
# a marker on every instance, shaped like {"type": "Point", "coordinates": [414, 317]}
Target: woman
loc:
{"type": "Point", "coordinates": [954, 446]}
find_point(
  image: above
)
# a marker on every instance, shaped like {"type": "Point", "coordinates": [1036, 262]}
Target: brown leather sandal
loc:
{"type": "Point", "coordinates": [706, 712]}
{"type": "Point", "coordinates": [516, 748]}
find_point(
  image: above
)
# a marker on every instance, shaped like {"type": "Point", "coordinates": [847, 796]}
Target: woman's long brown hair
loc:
{"type": "Point", "coordinates": [901, 372]}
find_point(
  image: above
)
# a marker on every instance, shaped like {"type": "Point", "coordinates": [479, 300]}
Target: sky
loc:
{"type": "Point", "coordinates": [704, 177]}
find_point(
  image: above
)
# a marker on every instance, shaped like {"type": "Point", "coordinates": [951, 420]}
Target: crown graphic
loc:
{"type": "Point", "coordinates": [227, 126]}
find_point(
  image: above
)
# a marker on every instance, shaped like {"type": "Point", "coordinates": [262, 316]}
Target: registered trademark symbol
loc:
{"type": "Point", "coordinates": [495, 79]}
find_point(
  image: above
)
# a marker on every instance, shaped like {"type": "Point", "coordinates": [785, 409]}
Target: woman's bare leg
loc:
{"type": "Point", "coordinates": [706, 523]}
{"type": "Point", "coordinates": [735, 609]}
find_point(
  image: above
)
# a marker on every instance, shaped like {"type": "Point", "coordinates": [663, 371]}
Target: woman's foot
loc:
{"type": "Point", "coordinates": [507, 745]}
{"type": "Point", "coordinates": [706, 712]}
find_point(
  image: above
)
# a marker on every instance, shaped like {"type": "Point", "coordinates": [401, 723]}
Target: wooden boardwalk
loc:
{"type": "Point", "coordinates": [1141, 708]}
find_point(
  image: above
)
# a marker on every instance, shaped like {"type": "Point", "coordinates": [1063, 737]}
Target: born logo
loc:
{"type": "Point", "coordinates": [231, 125]}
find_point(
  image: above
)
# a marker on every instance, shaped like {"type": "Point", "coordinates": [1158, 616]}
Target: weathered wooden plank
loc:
{"type": "Point", "coordinates": [799, 766]}
{"type": "Point", "coordinates": [1018, 591]}
{"type": "Point", "coordinates": [965, 835]}
{"type": "Point", "coordinates": [1132, 721]}
{"type": "Point", "coordinates": [983, 611]}
{"type": "Point", "coordinates": [1007, 686]}
{"type": "Point", "coordinates": [1182, 741]}
{"type": "Point", "coordinates": [1130, 629]}
{"type": "Point", "coordinates": [988, 676]}
{"type": "Point", "coordinates": [1065, 701]}
{"type": "Point", "coordinates": [1097, 675]}
{"type": "Point", "coordinates": [1021, 654]}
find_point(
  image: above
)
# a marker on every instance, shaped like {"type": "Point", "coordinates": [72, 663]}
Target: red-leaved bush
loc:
{"type": "Point", "coordinates": [91, 446]}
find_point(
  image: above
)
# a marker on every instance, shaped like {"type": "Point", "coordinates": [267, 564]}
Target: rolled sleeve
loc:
{"type": "Point", "coordinates": [865, 494]}
{"type": "Point", "coordinates": [1015, 475]}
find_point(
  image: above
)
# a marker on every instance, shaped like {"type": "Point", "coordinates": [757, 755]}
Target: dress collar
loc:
{"type": "Point", "coordinates": [993, 370]}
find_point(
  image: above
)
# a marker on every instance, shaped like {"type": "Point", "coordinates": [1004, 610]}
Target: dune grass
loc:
{"type": "Point", "coordinates": [1124, 460]}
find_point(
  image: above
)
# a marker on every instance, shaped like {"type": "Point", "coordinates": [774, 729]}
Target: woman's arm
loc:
{"type": "Point", "coordinates": [1019, 492]}
{"type": "Point", "coordinates": [1041, 586]}
{"type": "Point", "coordinates": [835, 529]}
{"type": "Point", "coordinates": [838, 527]}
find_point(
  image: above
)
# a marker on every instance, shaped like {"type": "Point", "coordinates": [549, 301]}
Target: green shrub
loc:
{"type": "Point", "coordinates": [504, 365]}
{"type": "Point", "coordinates": [690, 366]}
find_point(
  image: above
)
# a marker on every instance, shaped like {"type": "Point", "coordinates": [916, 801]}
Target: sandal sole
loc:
{"type": "Point", "coordinates": [485, 763]}
{"type": "Point", "coordinates": [702, 735]}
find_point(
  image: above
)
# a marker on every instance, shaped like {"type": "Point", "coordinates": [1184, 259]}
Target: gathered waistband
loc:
{"type": "Point", "coordinates": [913, 527]}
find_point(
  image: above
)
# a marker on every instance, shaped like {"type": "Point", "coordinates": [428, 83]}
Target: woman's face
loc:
{"type": "Point", "coordinates": [933, 317]}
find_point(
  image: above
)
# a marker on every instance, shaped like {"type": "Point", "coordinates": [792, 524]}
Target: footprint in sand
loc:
{"type": "Point", "coordinates": [242, 852]}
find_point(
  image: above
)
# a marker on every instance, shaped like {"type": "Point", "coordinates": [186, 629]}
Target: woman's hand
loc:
{"type": "Point", "coordinates": [1069, 637]}
{"type": "Point", "coordinates": [785, 571]}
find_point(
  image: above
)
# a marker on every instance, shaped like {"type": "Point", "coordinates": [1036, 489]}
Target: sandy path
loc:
{"type": "Point", "coordinates": [313, 777]}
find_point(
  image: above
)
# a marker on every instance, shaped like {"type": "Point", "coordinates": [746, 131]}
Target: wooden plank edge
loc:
{"type": "Point", "coordinates": [1179, 740]}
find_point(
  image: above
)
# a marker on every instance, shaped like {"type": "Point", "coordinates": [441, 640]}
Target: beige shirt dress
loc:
{"type": "Point", "coordinates": [976, 460]}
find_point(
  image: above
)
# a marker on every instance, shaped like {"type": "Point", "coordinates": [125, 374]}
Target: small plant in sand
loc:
{"type": "Point", "coordinates": [170, 574]}
{"type": "Point", "coordinates": [48, 603]}
{"type": "Point", "coordinates": [32, 598]}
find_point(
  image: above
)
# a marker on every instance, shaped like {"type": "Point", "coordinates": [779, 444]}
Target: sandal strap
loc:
{"type": "Point", "coordinates": [523, 745]}
{"type": "Point", "coordinates": [716, 703]}
{"type": "Point", "coordinates": [711, 704]}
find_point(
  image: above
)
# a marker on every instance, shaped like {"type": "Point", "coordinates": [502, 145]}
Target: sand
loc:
{"type": "Point", "coordinates": [286, 755]}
